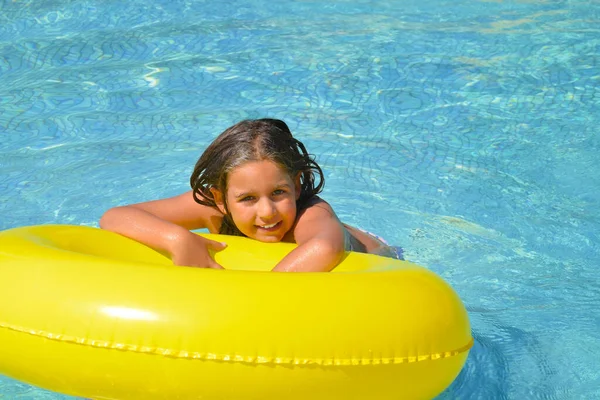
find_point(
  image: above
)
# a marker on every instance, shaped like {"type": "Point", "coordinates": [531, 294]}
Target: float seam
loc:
{"type": "Point", "coordinates": [207, 356]}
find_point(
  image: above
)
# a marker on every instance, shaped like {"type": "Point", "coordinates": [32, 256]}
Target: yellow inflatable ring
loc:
{"type": "Point", "coordinates": [90, 313]}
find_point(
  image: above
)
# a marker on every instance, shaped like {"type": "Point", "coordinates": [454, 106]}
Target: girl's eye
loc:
{"type": "Point", "coordinates": [278, 192]}
{"type": "Point", "coordinates": [247, 198]}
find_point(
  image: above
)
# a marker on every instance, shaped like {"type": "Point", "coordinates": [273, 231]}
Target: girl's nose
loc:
{"type": "Point", "coordinates": [266, 209]}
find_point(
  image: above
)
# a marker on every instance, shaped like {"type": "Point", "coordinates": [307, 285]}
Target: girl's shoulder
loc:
{"type": "Point", "coordinates": [316, 212]}
{"type": "Point", "coordinates": [317, 218]}
{"type": "Point", "coordinates": [315, 206]}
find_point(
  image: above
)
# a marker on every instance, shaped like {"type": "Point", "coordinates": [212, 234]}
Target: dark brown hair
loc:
{"type": "Point", "coordinates": [253, 140]}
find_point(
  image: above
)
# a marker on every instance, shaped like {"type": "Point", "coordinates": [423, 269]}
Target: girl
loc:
{"type": "Point", "coordinates": [254, 180]}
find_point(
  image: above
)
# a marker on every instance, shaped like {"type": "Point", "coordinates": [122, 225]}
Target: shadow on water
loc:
{"type": "Point", "coordinates": [506, 363]}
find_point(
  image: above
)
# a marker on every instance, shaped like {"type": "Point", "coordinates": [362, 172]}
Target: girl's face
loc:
{"type": "Point", "coordinates": [261, 197]}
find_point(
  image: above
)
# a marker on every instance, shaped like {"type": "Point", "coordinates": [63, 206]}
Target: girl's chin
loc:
{"type": "Point", "coordinates": [267, 239]}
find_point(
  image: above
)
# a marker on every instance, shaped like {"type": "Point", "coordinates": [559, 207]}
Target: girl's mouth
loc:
{"type": "Point", "coordinates": [270, 227]}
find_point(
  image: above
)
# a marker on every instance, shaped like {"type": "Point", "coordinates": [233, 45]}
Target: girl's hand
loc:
{"type": "Point", "coordinates": [193, 251]}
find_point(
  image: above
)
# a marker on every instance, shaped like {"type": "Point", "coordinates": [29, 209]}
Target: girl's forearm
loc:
{"type": "Point", "coordinates": [143, 227]}
{"type": "Point", "coordinates": [316, 255]}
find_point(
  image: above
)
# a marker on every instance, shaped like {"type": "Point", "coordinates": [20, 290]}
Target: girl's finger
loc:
{"type": "Point", "coordinates": [214, 245]}
{"type": "Point", "coordinates": [213, 264]}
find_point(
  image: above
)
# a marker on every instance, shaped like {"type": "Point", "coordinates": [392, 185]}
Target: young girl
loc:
{"type": "Point", "coordinates": [254, 180]}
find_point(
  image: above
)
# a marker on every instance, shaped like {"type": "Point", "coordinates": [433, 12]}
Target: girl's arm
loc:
{"type": "Point", "coordinates": [165, 225]}
{"type": "Point", "coordinates": [320, 238]}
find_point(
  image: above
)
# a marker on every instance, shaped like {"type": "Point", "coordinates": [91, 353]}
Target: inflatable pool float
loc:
{"type": "Point", "coordinates": [90, 313]}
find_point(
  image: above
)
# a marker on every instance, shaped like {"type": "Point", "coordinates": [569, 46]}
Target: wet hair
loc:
{"type": "Point", "coordinates": [253, 140]}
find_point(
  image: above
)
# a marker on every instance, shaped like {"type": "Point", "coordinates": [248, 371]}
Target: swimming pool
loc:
{"type": "Point", "coordinates": [466, 132]}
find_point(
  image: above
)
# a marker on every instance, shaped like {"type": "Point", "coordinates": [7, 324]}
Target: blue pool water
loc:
{"type": "Point", "coordinates": [464, 131]}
